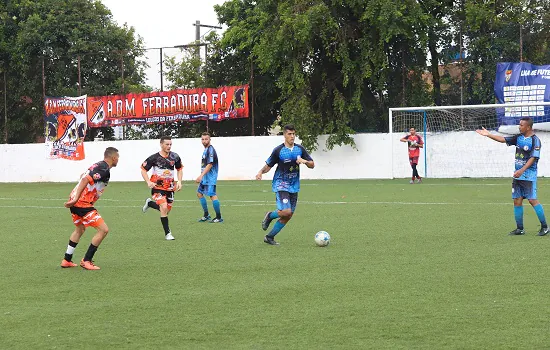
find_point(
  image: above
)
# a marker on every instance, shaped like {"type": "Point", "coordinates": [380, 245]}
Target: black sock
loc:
{"type": "Point", "coordinates": [90, 253]}
{"type": "Point", "coordinates": [415, 172]}
{"type": "Point", "coordinates": [164, 220]}
{"type": "Point", "coordinates": [205, 214]}
{"type": "Point", "coordinates": [69, 257]}
{"type": "Point", "coordinates": [153, 205]}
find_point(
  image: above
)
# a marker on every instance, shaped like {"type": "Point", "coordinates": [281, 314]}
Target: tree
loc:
{"type": "Point", "coordinates": [58, 35]}
{"type": "Point", "coordinates": [331, 60]}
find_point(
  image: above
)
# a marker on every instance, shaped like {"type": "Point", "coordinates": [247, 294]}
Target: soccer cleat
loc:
{"type": "Point", "coordinates": [66, 263]}
{"type": "Point", "coordinates": [418, 181]}
{"type": "Point", "coordinates": [216, 221]}
{"type": "Point", "coordinates": [411, 182]}
{"type": "Point", "coordinates": [266, 221]}
{"type": "Point", "coordinates": [517, 232]}
{"type": "Point", "coordinates": [169, 237]}
{"type": "Point", "coordinates": [146, 206]}
{"type": "Point", "coordinates": [543, 231]}
{"type": "Point", "coordinates": [205, 218]}
{"type": "Point", "coordinates": [270, 240]}
{"type": "Point", "coordinates": [88, 265]}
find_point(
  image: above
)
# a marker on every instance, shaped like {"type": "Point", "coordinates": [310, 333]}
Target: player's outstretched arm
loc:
{"type": "Point", "coordinates": [309, 163]}
{"type": "Point", "coordinates": [486, 133]}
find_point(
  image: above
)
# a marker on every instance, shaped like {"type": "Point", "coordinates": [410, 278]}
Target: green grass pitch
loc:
{"type": "Point", "coordinates": [426, 266]}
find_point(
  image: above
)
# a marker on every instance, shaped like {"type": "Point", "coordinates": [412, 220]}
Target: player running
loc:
{"type": "Point", "coordinates": [415, 144]}
{"type": "Point", "coordinates": [286, 181]}
{"type": "Point", "coordinates": [81, 204]}
{"type": "Point", "coordinates": [162, 184]}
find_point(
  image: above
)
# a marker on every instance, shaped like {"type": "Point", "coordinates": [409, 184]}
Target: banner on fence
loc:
{"type": "Point", "coordinates": [214, 104]}
{"type": "Point", "coordinates": [523, 83]}
{"type": "Point", "coordinates": [65, 127]}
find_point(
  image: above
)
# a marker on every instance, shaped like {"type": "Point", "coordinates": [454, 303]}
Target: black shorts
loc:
{"type": "Point", "coordinates": [161, 196]}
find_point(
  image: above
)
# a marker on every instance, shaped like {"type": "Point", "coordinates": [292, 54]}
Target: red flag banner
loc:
{"type": "Point", "coordinates": [215, 104]}
{"type": "Point", "coordinates": [65, 127]}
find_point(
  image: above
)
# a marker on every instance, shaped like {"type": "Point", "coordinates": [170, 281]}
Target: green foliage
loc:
{"type": "Point", "coordinates": [59, 34]}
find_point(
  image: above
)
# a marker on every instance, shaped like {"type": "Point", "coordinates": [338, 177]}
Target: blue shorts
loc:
{"type": "Point", "coordinates": [207, 190]}
{"type": "Point", "coordinates": [286, 200]}
{"type": "Point", "coordinates": [524, 189]}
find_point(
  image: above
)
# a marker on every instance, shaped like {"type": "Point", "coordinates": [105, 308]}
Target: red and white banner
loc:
{"type": "Point", "coordinates": [65, 127]}
{"type": "Point", "coordinates": [214, 104]}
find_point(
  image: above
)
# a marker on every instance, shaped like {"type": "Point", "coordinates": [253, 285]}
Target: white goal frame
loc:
{"type": "Point", "coordinates": [510, 129]}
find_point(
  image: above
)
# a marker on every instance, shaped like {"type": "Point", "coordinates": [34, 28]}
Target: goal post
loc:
{"type": "Point", "coordinates": [452, 148]}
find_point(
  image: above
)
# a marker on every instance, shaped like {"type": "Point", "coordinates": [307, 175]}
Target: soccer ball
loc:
{"type": "Point", "coordinates": [322, 238]}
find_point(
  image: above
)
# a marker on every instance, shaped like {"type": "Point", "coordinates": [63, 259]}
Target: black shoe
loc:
{"type": "Point", "coordinates": [543, 231]}
{"type": "Point", "coordinates": [270, 240]}
{"type": "Point", "coordinates": [266, 221]}
{"type": "Point", "coordinates": [517, 232]}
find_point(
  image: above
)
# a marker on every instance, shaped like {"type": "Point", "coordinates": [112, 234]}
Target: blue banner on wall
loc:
{"type": "Point", "coordinates": [522, 83]}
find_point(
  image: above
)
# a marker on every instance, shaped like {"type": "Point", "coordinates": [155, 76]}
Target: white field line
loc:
{"type": "Point", "coordinates": [240, 203]}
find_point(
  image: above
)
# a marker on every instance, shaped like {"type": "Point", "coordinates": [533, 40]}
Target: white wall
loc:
{"type": "Point", "coordinates": [461, 154]}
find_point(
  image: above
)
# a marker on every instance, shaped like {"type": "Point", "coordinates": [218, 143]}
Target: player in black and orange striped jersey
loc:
{"type": "Point", "coordinates": [81, 204]}
{"type": "Point", "coordinates": [162, 182]}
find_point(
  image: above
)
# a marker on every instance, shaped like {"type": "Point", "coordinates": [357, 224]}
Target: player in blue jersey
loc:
{"type": "Point", "coordinates": [524, 184]}
{"type": "Point", "coordinates": [286, 181]}
{"type": "Point", "coordinates": [208, 179]}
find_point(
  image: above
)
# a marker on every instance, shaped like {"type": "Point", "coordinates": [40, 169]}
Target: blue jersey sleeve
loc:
{"type": "Point", "coordinates": [274, 157]}
{"type": "Point", "coordinates": [535, 150]}
{"type": "Point", "coordinates": [305, 155]}
{"type": "Point", "coordinates": [511, 140]}
{"type": "Point", "coordinates": [210, 155]}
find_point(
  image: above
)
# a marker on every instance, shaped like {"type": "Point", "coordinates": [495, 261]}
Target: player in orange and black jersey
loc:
{"type": "Point", "coordinates": [415, 144]}
{"type": "Point", "coordinates": [81, 204]}
{"type": "Point", "coordinates": [162, 183]}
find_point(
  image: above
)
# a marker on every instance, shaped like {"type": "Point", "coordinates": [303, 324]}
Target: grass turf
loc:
{"type": "Point", "coordinates": [409, 266]}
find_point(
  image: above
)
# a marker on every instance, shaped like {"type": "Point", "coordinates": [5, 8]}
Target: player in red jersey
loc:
{"type": "Point", "coordinates": [415, 144]}
{"type": "Point", "coordinates": [162, 183]}
{"type": "Point", "coordinates": [81, 203]}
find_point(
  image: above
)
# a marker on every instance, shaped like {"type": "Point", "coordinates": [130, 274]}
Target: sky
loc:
{"type": "Point", "coordinates": [163, 23]}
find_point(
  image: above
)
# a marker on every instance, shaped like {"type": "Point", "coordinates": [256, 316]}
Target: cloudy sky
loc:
{"type": "Point", "coordinates": [163, 23]}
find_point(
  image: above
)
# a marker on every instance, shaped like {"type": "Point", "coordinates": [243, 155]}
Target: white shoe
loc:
{"type": "Point", "coordinates": [169, 237]}
{"type": "Point", "coordinates": [146, 206]}
{"type": "Point", "coordinates": [411, 182]}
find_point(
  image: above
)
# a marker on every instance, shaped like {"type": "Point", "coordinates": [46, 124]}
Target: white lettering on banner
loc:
{"type": "Point", "coordinates": [109, 108]}
{"type": "Point", "coordinates": [204, 100]}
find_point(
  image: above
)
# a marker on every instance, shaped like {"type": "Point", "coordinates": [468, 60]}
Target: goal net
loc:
{"type": "Point", "coordinates": [453, 149]}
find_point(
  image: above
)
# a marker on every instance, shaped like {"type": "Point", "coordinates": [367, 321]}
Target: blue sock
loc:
{"type": "Point", "coordinates": [204, 205]}
{"type": "Point", "coordinates": [276, 228]}
{"type": "Point", "coordinates": [216, 204]}
{"type": "Point", "coordinates": [274, 215]}
{"type": "Point", "coordinates": [540, 213]}
{"type": "Point", "coordinates": [518, 213]}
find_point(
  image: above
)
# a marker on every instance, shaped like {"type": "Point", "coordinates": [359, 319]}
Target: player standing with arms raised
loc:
{"type": "Point", "coordinates": [286, 181]}
{"type": "Point", "coordinates": [415, 144]}
{"type": "Point", "coordinates": [162, 184]}
{"type": "Point", "coordinates": [81, 204]}
{"type": "Point", "coordinates": [207, 180]}
{"type": "Point", "coordinates": [524, 184]}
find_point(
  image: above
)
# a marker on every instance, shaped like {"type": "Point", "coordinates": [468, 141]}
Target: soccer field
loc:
{"type": "Point", "coordinates": [426, 266]}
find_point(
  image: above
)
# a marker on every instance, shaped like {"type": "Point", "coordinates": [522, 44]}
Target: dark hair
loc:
{"type": "Point", "coordinates": [163, 138]}
{"type": "Point", "coordinates": [412, 127]}
{"type": "Point", "coordinates": [206, 134]}
{"type": "Point", "coordinates": [289, 127]}
{"type": "Point", "coordinates": [109, 152]}
{"type": "Point", "coordinates": [528, 120]}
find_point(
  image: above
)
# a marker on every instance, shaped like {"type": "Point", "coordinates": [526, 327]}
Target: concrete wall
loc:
{"type": "Point", "coordinates": [378, 156]}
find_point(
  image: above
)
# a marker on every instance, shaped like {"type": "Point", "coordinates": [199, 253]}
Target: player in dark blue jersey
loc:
{"type": "Point", "coordinates": [207, 180]}
{"type": "Point", "coordinates": [524, 184]}
{"type": "Point", "coordinates": [286, 181]}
